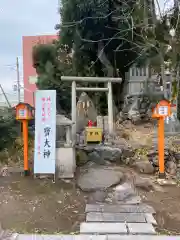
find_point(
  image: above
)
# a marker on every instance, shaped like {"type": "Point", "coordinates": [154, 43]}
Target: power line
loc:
{"type": "Point", "coordinates": [5, 96]}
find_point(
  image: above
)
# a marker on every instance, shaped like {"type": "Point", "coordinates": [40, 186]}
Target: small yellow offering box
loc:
{"type": "Point", "coordinates": [94, 134]}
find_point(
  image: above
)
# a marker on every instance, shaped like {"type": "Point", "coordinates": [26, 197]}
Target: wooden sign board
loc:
{"type": "Point", "coordinates": [162, 109]}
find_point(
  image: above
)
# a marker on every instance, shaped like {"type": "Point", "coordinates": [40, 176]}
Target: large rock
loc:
{"type": "Point", "coordinates": [128, 156]}
{"type": "Point", "coordinates": [144, 167]}
{"type": "Point", "coordinates": [171, 167]}
{"type": "Point", "coordinates": [102, 154]}
{"type": "Point", "coordinates": [98, 179]}
{"type": "Point", "coordinates": [170, 159]}
{"type": "Point", "coordinates": [172, 124]}
{"type": "Point", "coordinates": [85, 112]}
{"type": "Point", "coordinates": [95, 157]}
{"type": "Point", "coordinates": [108, 153]}
{"type": "Point", "coordinates": [97, 197]}
{"type": "Point", "coordinates": [145, 184]}
{"type": "Point", "coordinates": [81, 157]}
{"type": "Point", "coordinates": [128, 152]}
{"type": "Point", "coordinates": [124, 191]}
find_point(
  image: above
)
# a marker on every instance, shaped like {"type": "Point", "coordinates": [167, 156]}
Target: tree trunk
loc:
{"type": "Point", "coordinates": [110, 69]}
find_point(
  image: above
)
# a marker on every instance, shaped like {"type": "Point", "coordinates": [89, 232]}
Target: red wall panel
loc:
{"type": "Point", "coordinates": [28, 70]}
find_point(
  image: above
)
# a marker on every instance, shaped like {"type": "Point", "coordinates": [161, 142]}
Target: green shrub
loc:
{"type": "Point", "coordinates": [9, 128]}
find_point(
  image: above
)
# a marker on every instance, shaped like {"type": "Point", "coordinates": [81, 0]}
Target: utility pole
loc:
{"type": "Point", "coordinates": [18, 80]}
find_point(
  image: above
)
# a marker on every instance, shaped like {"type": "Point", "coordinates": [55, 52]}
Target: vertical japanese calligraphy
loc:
{"type": "Point", "coordinates": [47, 147]}
{"type": "Point", "coordinates": [46, 108]}
{"type": "Point", "coordinates": [39, 144]}
{"type": "Point", "coordinates": [45, 131]}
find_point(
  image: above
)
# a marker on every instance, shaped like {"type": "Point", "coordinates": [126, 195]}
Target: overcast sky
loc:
{"type": "Point", "coordinates": [22, 18]}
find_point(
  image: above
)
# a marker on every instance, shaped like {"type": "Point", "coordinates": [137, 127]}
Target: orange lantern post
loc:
{"type": "Point", "coordinates": [24, 113]}
{"type": "Point", "coordinates": [160, 112]}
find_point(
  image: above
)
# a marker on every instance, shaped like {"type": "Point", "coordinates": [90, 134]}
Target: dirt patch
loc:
{"type": "Point", "coordinates": [167, 206]}
{"type": "Point", "coordinates": [39, 206]}
{"type": "Point", "coordinates": [32, 205]}
{"type": "Point", "coordinates": [164, 199]}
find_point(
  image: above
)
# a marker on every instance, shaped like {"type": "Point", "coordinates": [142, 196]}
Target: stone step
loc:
{"type": "Point", "coordinates": [150, 219]}
{"type": "Point", "coordinates": [115, 217]}
{"type": "Point", "coordinates": [103, 228]}
{"type": "Point", "coordinates": [140, 228]}
{"type": "Point", "coordinates": [141, 208]}
{"type": "Point", "coordinates": [120, 217]}
{"type": "Point", "coordinates": [93, 237]}
{"type": "Point", "coordinates": [117, 228]}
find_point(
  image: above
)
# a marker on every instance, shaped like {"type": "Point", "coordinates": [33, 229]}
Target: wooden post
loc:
{"type": "Point", "coordinates": [25, 138]}
{"type": "Point", "coordinates": [161, 112]}
{"type": "Point", "coordinates": [161, 146]}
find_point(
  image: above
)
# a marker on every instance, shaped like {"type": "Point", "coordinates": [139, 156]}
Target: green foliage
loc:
{"type": "Point", "coordinates": [128, 31]}
{"type": "Point", "coordinates": [8, 128]}
{"type": "Point", "coordinates": [175, 55]}
{"type": "Point", "coordinates": [86, 23]}
{"type": "Point", "coordinates": [51, 61]}
{"type": "Point", "coordinates": [174, 88]}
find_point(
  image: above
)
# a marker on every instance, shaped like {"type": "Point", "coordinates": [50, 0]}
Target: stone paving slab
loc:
{"type": "Point", "coordinates": [140, 228]}
{"type": "Point", "coordinates": [140, 237]}
{"type": "Point", "coordinates": [116, 217]}
{"type": "Point", "coordinates": [94, 237]}
{"type": "Point", "coordinates": [43, 237]}
{"type": "Point", "coordinates": [61, 237]}
{"type": "Point", "coordinates": [102, 228]}
{"type": "Point", "coordinates": [141, 208]}
{"type": "Point", "coordinates": [150, 219]}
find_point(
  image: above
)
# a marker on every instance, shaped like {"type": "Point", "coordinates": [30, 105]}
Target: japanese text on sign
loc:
{"type": "Point", "coordinates": [47, 147]}
{"type": "Point", "coordinates": [163, 110]}
{"type": "Point", "coordinates": [22, 113]}
{"type": "Point", "coordinates": [45, 132]}
{"type": "Point", "coordinates": [46, 108]}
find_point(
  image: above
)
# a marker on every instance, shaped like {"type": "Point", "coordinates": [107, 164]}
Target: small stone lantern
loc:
{"type": "Point", "coordinates": [65, 150]}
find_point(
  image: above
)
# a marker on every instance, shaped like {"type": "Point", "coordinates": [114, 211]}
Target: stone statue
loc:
{"type": "Point", "coordinates": [85, 111]}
